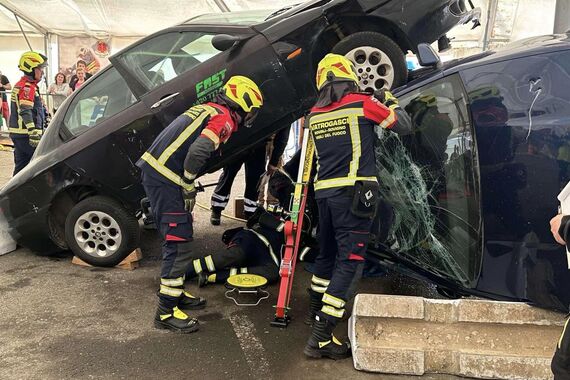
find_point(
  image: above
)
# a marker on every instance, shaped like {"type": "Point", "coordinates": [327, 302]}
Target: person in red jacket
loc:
{"type": "Point", "coordinates": [26, 113]}
{"type": "Point", "coordinates": [342, 125]}
{"type": "Point", "coordinates": [169, 168]}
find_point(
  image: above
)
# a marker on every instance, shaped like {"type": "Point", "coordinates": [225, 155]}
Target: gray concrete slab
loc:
{"type": "Point", "coordinates": [61, 321]}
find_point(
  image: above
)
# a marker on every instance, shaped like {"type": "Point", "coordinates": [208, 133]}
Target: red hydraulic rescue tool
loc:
{"type": "Point", "coordinates": [293, 229]}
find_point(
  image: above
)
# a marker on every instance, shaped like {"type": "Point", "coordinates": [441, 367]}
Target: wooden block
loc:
{"type": "Point", "coordinates": [129, 263]}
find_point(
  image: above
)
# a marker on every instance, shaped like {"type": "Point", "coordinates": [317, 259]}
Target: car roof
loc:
{"type": "Point", "coordinates": [522, 48]}
{"type": "Point", "coordinates": [251, 17]}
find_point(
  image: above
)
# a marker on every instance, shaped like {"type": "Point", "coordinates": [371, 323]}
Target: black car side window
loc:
{"type": "Point", "coordinates": [167, 56]}
{"type": "Point", "coordinates": [429, 180]}
{"type": "Point", "coordinates": [100, 98]}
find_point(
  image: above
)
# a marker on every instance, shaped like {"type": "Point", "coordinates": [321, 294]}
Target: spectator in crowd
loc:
{"type": "Point", "coordinates": [81, 78]}
{"type": "Point", "coordinates": [59, 91]}
{"type": "Point", "coordinates": [4, 106]}
{"type": "Point", "coordinates": [79, 65]}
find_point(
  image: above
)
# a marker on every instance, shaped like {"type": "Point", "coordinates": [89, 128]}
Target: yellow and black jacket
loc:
{"type": "Point", "coordinates": [25, 108]}
{"type": "Point", "coordinates": [182, 148]}
{"type": "Point", "coordinates": [343, 133]}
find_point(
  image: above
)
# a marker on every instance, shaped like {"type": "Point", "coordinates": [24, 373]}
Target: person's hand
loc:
{"type": "Point", "coordinates": [34, 137]}
{"type": "Point", "coordinates": [271, 169]}
{"type": "Point", "coordinates": [555, 227]}
{"type": "Point", "coordinates": [385, 97]}
{"type": "Point", "coordinates": [189, 195]}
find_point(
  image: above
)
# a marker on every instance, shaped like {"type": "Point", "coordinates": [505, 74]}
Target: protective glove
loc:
{"type": "Point", "coordinates": [270, 169]}
{"type": "Point", "coordinates": [34, 137]}
{"type": "Point", "coordinates": [386, 97]}
{"type": "Point", "coordinates": [189, 195]}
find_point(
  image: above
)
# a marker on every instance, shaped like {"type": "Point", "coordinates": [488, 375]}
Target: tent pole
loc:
{"type": "Point", "coordinates": [16, 12]}
{"type": "Point", "coordinates": [48, 70]}
{"type": "Point", "coordinates": [222, 5]}
{"type": "Point", "coordinates": [23, 33]}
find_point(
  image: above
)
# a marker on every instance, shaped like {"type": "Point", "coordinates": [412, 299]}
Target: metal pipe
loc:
{"type": "Point", "coordinates": [222, 5]}
{"type": "Point", "coordinates": [23, 33]}
{"type": "Point", "coordinates": [490, 24]}
{"type": "Point", "coordinates": [33, 23]}
{"type": "Point", "coordinates": [562, 16]}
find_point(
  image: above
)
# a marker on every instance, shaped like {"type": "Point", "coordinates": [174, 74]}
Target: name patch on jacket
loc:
{"type": "Point", "coordinates": [330, 128]}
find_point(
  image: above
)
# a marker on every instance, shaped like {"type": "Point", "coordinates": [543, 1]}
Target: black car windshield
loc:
{"type": "Point", "coordinates": [234, 18]}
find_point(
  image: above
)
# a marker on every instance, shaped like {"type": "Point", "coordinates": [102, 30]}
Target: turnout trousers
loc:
{"type": "Point", "coordinates": [254, 168]}
{"type": "Point", "coordinates": [175, 226]}
{"type": "Point", "coordinates": [343, 239]}
{"type": "Point", "coordinates": [23, 152]}
{"type": "Point", "coordinates": [245, 254]}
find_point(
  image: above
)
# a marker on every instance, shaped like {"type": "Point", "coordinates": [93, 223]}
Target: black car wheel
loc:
{"type": "Point", "coordinates": [101, 232]}
{"type": "Point", "coordinates": [379, 61]}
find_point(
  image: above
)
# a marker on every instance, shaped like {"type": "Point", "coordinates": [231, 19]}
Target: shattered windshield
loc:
{"type": "Point", "coordinates": [428, 181]}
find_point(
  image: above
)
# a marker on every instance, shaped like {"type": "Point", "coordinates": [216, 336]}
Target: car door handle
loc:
{"type": "Point", "coordinates": [164, 100]}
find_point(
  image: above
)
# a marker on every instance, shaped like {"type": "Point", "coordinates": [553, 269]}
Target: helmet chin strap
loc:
{"type": "Point", "coordinates": [237, 112]}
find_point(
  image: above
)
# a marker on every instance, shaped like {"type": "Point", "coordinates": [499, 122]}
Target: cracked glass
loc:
{"type": "Point", "coordinates": [428, 184]}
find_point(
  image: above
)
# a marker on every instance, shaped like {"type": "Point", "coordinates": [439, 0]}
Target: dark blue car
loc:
{"type": "Point", "coordinates": [469, 194]}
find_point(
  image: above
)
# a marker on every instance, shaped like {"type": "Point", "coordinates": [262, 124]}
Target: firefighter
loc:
{"type": "Point", "coordinates": [254, 167]}
{"type": "Point", "coordinates": [342, 125]}
{"type": "Point", "coordinates": [26, 113]}
{"type": "Point", "coordinates": [169, 168]}
{"type": "Point", "coordinates": [255, 249]}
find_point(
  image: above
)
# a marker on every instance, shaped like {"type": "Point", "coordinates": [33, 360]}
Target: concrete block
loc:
{"type": "Point", "coordinates": [475, 338]}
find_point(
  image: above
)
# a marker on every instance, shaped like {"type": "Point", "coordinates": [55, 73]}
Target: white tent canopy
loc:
{"type": "Point", "coordinates": [46, 22]}
{"type": "Point", "coordinates": [125, 18]}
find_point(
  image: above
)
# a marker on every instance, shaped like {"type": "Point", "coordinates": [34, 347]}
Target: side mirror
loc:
{"type": "Point", "coordinates": [223, 42]}
{"type": "Point", "coordinates": [427, 56]}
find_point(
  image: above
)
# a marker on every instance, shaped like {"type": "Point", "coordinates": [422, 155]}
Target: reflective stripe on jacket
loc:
{"type": "Point", "coordinates": [343, 133]}
{"type": "Point", "coordinates": [167, 153]}
{"type": "Point", "coordinates": [25, 108]}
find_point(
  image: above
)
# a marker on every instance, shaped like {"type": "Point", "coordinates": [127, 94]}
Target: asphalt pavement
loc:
{"type": "Point", "coordinates": [63, 321]}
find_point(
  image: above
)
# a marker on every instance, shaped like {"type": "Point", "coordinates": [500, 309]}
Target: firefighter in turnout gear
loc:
{"type": "Point", "coordinates": [342, 125]}
{"type": "Point", "coordinates": [255, 249]}
{"type": "Point", "coordinates": [26, 113]}
{"type": "Point", "coordinates": [169, 168]}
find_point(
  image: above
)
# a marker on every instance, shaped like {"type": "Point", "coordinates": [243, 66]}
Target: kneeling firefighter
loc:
{"type": "Point", "coordinates": [169, 168]}
{"type": "Point", "coordinates": [255, 249]}
{"type": "Point", "coordinates": [342, 125]}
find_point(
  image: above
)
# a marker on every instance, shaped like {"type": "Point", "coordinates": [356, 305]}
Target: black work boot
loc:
{"type": "Point", "coordinates": [189, 302]}
{"type": "Point", "coordinates": [323, 343]}
{"type": "Point", "coordinates": [174, 320]}
{"type": "Point", "coordinates": [316, 303]}
{"type": "Point", "coordinates": [216, 216]}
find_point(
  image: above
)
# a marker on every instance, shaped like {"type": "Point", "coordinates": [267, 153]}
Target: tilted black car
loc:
{"type": "Point", "coordinates": [472, 190]}
{"type": "Point", "coordinates": [82, 189]}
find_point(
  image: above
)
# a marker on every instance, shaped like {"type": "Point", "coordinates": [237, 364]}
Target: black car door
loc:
{"type": "Point", "coordinates": [177, 68]}
{"type": "Point", "coordinates": [520, 110]}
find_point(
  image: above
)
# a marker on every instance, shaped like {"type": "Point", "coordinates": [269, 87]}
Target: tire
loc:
{"type": "Point", "coordinates": [374, 55]}
{"type": "Point", "coordinates": [101, 232]}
